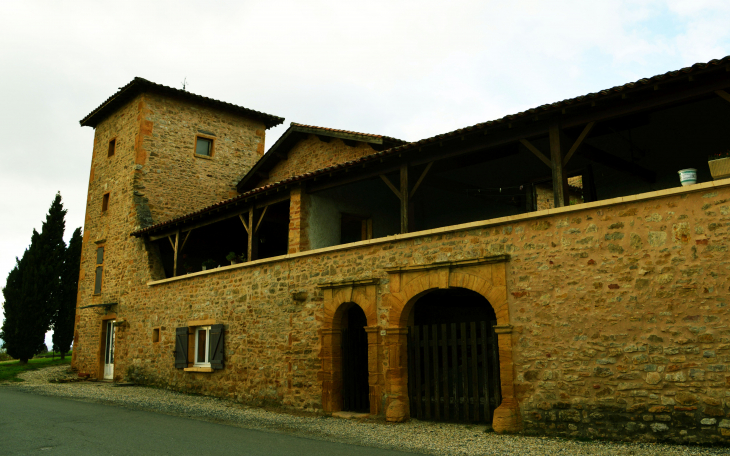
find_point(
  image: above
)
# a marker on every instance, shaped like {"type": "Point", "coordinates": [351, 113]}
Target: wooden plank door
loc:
{"type": "Point", "coordinates": [453, 371]}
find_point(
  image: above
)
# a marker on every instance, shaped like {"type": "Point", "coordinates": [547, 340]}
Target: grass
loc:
{"type": "Point", "coordinates": [9, 370]}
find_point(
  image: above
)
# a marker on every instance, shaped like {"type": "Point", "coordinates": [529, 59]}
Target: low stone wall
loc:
{"type": "Point", "coordinates": [618, 311]}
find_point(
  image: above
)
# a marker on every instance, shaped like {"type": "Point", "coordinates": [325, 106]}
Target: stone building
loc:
{"type": "Point", "coordinates": [430, 279]}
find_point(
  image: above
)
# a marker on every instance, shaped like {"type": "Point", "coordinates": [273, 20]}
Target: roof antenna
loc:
{"type": "Point", "coordinates": [185, 82]}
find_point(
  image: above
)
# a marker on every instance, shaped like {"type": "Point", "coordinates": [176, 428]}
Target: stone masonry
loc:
{"type": "Point", "coordinates": [618, 314]}
{"type": "Point", "coordinates": [612, 316]}
{"type": "Point", "coordinates": [313, 153]}
{"type": "Point", "coordinates": [153, 175]}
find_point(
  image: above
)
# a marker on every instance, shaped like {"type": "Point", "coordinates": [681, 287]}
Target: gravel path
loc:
{"type": "Point", "coordinates": [415, 436]}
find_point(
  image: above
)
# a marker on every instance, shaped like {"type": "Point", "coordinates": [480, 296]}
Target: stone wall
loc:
{"type": "Point", "coordinates": [311, 153]}
{"type": "Point", "coordinates": [151, 177]}
{"type": "Point", "coordinates": [171, 177]}
{"type": "Point", "coordinates": [617, 313]}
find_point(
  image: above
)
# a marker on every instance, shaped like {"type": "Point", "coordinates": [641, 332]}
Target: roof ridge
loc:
{"type": "Point", "coordinates": [297, 124]}
{"type": "Point", "coordinates": [269, 119]}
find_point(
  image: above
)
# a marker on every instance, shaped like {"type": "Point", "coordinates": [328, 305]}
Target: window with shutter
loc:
{"type": "Point", "coordinates": [216, 347]}
{"type": "Point", "coordinates": [181, 347]}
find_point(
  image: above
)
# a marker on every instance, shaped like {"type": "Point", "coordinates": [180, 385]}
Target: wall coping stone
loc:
{"type": "Point", "coordinates": [464, 227]}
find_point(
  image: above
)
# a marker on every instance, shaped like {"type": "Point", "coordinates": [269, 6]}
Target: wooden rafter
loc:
{"type": "Point", "coordinates": [587, 129]}
{"type": "Point", "coordinates": [182, 247]}
{"type": "Point", "coordinates": [420, 179]}
{"type": "Point", "coordinates": [243, 220]}
{"type": "Point", "coordinates": [391, 186]}
{"type": "Point", "coordinates": [260, 220]}
{"type": "Point", "coordinates": [537, 152]}
{"type": "Point", "coordinates": [723, 94]}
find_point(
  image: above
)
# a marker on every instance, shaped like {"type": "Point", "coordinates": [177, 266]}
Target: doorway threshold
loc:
{"type": "Point", "coordinates": [351, 415]}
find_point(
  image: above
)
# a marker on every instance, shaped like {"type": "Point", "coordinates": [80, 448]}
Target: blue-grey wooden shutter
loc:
{"type": "Point", "coordinates": [215, 346]}
{"type": "Point", "coordinates": [181, 347]}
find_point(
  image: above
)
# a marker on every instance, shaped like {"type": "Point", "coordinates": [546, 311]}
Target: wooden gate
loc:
{"type": "Point", "coordinates": [355, 388]}
{"type": "Point", "coordinates": [453, 372]}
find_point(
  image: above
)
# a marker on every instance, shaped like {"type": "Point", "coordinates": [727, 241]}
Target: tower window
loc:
{"type": "Point", "coordinates": [203, 146]}
{"type": "Point", "coordinates": [99, 273]}
{"type": "Point", "coordinates": [112, 147]}
{"type": "Point", "coordinates": [105, 202]}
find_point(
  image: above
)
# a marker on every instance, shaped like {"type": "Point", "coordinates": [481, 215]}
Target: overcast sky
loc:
{"type": "Point", "coordinates": [405, 69]}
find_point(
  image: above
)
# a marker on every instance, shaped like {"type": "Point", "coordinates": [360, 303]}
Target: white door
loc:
{"type": "Point", "coordinates": [109, 351]}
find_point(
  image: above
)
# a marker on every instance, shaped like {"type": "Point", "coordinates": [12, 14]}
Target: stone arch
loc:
{"type": "Point", "coordinates": [338, 298]}
{"type": "Point", "coordinates": [485, 277]}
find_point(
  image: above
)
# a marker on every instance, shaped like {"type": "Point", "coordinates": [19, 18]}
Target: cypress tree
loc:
{"type": "Point", "coordinates": [32, 290]}
{"type": "Point", "coordinates": [21, 332]}
{"type": "Point", "coordinates": [63, 322]}
{"type": "Point", "coordinates": [49, 259]}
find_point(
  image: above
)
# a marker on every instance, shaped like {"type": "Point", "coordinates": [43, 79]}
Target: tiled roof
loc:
{"type": "Point", "coordinates": [138, 85]}
{"type": "Point", "coordinates": [324, 129]}
{"type": "Point", "coordinates": [293, 134]}
{"type": "Point", "coordinates": [557, 106]}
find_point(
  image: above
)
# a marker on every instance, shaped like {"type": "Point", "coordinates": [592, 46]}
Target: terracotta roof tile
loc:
{"type": "Point", "coordinates": [407, 146]}
{"type": "Point", "coordinates": [138, 85]}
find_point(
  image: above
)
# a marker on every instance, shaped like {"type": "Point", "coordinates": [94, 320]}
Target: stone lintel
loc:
{"type": "Point", "coordinates": [201, 322]}
{"type": "Point", "coordinates": [450, 264]}
{"type": "Point", "coordinates": [349, 283]}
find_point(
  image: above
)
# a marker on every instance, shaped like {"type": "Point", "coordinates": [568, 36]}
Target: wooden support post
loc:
{"type": "Point", "coordinates": [404, 198]}
{"type": "Point", "coordinates": [560, 179]}
{"type": "Point", "coordinates": [174, 264]}
{"type": "Point", "coordinates": [249, 254]}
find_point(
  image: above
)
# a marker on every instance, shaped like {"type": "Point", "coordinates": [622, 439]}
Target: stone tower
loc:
{"type": "Point", "coordinates": [158, 153]}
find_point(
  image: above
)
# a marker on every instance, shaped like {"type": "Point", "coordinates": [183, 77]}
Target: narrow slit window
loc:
{"type": "Point", "coordinates": [112, 147]}
{"type": "Point", "coordinates": [203, 146]}
{"type": "Point", "coordinates": [99, 273]}
{"type": "Point", "coordinates": [156, 335]}
{"type": "Point", "coordinates": [105, 202]}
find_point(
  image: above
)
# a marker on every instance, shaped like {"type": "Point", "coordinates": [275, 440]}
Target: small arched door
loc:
{"type": "Point", "coordinates": [355, 387]}
{"type": "Point", "coordinates": [453, 358]}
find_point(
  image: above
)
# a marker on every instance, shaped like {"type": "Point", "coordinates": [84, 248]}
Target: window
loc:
{"type": "Point", "coordinates": [202, 338]}
{"type": "Point", "coordinates": [155, 335]}
{"type": "Point", "coordinates": [205, 338]}
{"type": "Point", "coordinates": [112, 147]}
{"type": "Point", "coordinates": [99, 270]}
{"type": "Point", "coordinates": [203, 146]}
{"type": "Point", "coordinates": [105, 202]}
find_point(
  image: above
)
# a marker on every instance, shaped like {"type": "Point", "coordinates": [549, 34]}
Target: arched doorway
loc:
{"type": "Point", "coordinates": [453, 357]}
{"type": "Point", "coordinates": [355, 387]}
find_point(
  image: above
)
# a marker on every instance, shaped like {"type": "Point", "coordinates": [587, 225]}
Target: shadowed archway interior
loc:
{"type": "Point", "coordinates": [355, 388]}
{"type": "Point", "coordinates": [453, 359]}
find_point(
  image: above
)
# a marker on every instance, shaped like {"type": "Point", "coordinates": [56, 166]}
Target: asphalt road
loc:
{"type": "Point", "coordinates": [43, 425]}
